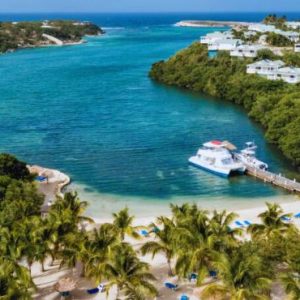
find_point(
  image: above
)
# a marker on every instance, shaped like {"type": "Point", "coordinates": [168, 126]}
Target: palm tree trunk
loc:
{"type": "Point", "coordinates": [43, 265]}
{"type": "Point", "coordinates": [170, 268]}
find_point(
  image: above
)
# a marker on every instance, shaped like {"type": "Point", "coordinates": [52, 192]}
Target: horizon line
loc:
{"type": "Point", "coordinates": [146, 12]}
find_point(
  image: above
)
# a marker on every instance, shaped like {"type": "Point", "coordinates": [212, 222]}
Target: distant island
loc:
{"type": "Point", "coordinates": [18, 35]}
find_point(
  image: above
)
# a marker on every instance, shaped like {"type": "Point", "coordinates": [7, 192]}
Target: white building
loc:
{"type": "Point", "coordinates": [214, 36]}
{"type": "Point", "coordinates": [265, 67]}
{"type": "Point", "coordinates": [291, 35]}
{"type": "Point", "coordinates": [258, 27]}
{"type": "Point", "coordinates": [287, 74]}
{"type": "Point", "coordinates": [293, 25]}
{"type": "Point", "coordinates": [297, 48]}
{"type": "Point", "coordinates": [226, 45]}
{"type": "Point", "coordinates": [246, 50]}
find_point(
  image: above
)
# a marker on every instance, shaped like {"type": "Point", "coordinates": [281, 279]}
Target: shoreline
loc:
{"type": "Point", "coordinates": [51, 45]}
{"type": "Point", "coordinates": [210, 23]}
{"type": "Point", "coordinates": [52, 185]}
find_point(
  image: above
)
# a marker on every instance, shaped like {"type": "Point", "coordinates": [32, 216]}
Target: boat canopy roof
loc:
{"type": "Point", "coordinates": [220, 144]}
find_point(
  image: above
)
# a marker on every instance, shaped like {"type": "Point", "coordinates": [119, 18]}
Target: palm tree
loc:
{"type": "Point", "coordinates": [15, 281]}
{"type": "Point", "coordinates": [72, 202]}
{"type": "Point", "coordinates": [224, 236]}
{"type": "Point", "coordinates": [242, 274]}
{"type": "Point", "coordinates": [99, 249]}
{"type": "Point", "coordinates": [129, 274]}
{"type": "Point", "coordinates": [164, 243]}
{"type": "Point", "coordinates": [272, 222]}
{"type": "Point", "coordinates": [291, 283]}
{"type": "Point", "coordinates": [123, 222]}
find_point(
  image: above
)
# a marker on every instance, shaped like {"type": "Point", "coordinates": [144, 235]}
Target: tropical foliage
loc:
{"type": "Point", "coordinates": [229, 262]}
{"type": "Point", "coordinates": [274, 104]}
{"type": "Point", "coordinates": [28, 34]}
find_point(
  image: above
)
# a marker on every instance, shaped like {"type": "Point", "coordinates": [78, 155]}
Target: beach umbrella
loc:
{"type": "Point", "coordinates": [65, 285]}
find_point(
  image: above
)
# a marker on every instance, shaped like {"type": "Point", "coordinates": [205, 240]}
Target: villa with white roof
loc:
{"type": "Point", "coordinates": [287, 74]}
{"type": "Point", "coordinates": [246, 50]}
{"type": "Point", "coordinates": [258, 27]}
{"type": "Point", "coordinates": [265, 67]}
{"type": "Point", "coordinates": [225, 45]}
{"type": "Point", "coordinates": [291, 35]}
{"type": "Point", "coordinates": [214, 36]}
{"type": "Point", "coordinates": [293, 25]}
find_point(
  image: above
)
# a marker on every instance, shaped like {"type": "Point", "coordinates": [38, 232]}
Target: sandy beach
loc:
{"type": "Point", "coordinates": [45, 281]}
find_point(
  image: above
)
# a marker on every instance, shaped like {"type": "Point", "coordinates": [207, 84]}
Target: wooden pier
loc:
{"type": "Point", "coordinates": [275, 179]}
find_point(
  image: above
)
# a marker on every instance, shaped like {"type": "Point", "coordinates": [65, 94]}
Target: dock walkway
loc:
{"type": "Point", "coordinates": [275, 179]}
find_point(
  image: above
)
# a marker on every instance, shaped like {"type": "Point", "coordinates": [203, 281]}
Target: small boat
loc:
{"type": "Point", "coordinates": [216, 157]}
{"type": "Point", "coordinates": [248, 157]}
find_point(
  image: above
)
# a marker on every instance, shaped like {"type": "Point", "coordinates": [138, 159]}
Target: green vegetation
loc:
{"type": "Point", "coordinates": [30, 34]}
{"type": "Point", "coordinates": [274, 104]}
{"type": "Point", "coordinates": [278, 40]}
{"type": "Point", "coordinates": [192, 240]}
{"type": "Point", "coordinates": [273, 19]}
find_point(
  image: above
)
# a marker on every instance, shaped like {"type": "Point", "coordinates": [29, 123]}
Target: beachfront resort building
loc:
{"type": "Point", "coordinates": [274, 70]}
{"type": "Point", "coordinates": [215, 36]}
{"type": "Point", "coordinates": [293, 25]}
{"type": "Point", "coordinates": [258, 27]}
{"type": "Point", "coordinates": [262, 28]}
{"type": "Point", "coordinates": [246, 50]}
{"type": "Point", "coordinates": [225, 45]}
{"type": "Point", "coordinates": [265, 67]}
{"type": "Point", "coordinates": [287, 74]}
{"type": "Point", "coordinates": [297, 48]}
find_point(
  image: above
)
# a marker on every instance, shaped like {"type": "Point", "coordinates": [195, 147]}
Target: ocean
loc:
{"type": "Point", "coordinates": [92, 112]}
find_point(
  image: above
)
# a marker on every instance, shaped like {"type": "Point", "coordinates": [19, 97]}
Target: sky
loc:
{"type": "Point", "coordinates": [149, 5]}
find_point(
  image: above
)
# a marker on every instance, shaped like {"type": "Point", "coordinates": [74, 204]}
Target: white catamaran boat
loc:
{"type": "Point", "coordinates": [216, 157]}
{"type": "Point", "coordinates": [248, 157]}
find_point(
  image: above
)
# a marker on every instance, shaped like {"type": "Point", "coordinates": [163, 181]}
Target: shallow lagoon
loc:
{"type": "Point", "coordinates": [92, 112]}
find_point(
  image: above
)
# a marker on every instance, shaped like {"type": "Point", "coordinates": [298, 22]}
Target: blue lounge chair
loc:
{"type": "Point", "coordinates": [171, 286]}
{"type": "Point", "coordinates": [144, 233]}
{"type": "Point", "coordinates": [100, 288]}
{"type": "Point", "coordinates": [184, 297]}
{"type": "Point", "coordinates": [155, 229]}
{"type": "Point", "coordinates": [297, 215]}
{"type": "Point", "coordinates": [213, 274]}
{"type": "Point", "coordinates": [193, 277]}
{"type": "Point", "coordinates": [238, 223]}
{"type": "Point", "coordinates": [248, 223]}
{"type": "Point", "coordinates": [41, 178]}
{"type": "Point", "coordinates": [285, 218]}
{"type": "Point", "coordinates": [65, 294]}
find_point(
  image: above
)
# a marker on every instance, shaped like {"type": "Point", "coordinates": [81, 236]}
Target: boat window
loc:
{"type": "Point", "coordinates": [227, 161]}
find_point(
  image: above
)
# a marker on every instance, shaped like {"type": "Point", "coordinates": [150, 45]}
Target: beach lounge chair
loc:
{"type": "Point", "coordinates": [41, 178]}
{"type": "Point", "coordinates": [238, 223]}
{"type": "Point", "coordinates": [285, 218]}
{"type": "Point", "coordinates": [213, 274]}
{"type": "Point", "coordinates": [171, 286]}
{"type": "Point", "coordinates": [155, 229]}
{"type": "Point", "coordinates": [297, 215]}
{"type": "Point", "coordinates": [247, 223]}
{"type": "Point", "coordinates": [99, 289]}
{"type": "Point", "coordinates": [184, 297]}
{"type": "Point", "coordinates": [65, 294]}
{"type": "Point", "coordinates": [144, 233]}
{"type": "Point", "coordinates": [193, 277]}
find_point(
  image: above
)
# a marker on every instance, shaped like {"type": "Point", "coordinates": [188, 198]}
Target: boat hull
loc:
{"type": "Point", "coordinates": [225, 173]}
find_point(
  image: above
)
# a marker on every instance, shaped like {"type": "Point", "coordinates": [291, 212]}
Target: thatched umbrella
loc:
{"type": "Point", "coordinates": [65, 285]}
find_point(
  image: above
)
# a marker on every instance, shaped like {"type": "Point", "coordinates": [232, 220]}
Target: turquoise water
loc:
{"type": "Point", "coordinates": [92, 112]}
